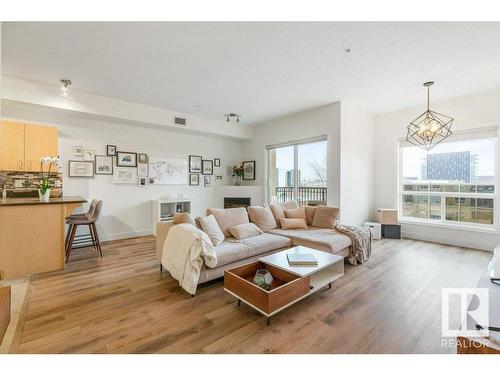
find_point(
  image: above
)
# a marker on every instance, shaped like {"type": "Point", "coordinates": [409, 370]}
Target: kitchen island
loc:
{"type": "Point", "coordinates": [32, 234]}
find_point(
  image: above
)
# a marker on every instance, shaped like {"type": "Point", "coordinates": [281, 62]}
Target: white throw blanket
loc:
{"type": "Point", "coordinates": [185, 250]}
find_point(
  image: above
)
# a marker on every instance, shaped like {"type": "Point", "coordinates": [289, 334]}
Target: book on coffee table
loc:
{"type": "Point", "coordinates": [301, 259]}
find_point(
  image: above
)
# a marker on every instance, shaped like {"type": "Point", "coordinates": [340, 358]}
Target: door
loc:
{"type": "Point", "coordinates": [40, 141]}
{"type": "Point", "coordinates": [11, 146]}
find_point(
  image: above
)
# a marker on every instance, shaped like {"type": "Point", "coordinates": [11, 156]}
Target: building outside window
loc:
{"type": "Point", "coordinates": [453, 183]}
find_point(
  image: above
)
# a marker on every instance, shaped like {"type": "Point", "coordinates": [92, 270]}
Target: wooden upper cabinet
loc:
{"type": "Point", "coordinates": [39, 141]}
{"type": "Point", "coordinates": [22, 145]}
{"type": "Point", "coordinates": [11, 146]}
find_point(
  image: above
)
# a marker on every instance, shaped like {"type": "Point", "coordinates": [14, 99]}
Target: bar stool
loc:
{"type": "Point", "coordinates": [90, 221]}
{"type": "Point", "coordinates": [78, 237]}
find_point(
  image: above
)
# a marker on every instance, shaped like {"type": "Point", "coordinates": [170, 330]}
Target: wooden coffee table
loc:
{"type": "Point", "coordinates": [290, 283]}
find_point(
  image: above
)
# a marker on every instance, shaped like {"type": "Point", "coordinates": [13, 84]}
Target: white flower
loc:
{"type": "Point", "coordinates": [56, 161]}
{"type": "Point", "coordinates": [46, 160]}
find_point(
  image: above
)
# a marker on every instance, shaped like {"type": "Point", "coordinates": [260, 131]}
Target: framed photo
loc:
{"type": "Point", "coordinates": [111, 150]}
{"type": "Point", "coordinates": [143, 158]}
{"type": "Point", "coordinates": [207, 167]}
{"type": "Point", "coordinates": [194, 179]}
{"type": "Point", "coordinates": [88, 154]}
{"type": "Point", "coordinates": [207, 181]}
{"type": "Point", "coordinates": [126, 159]}
{"type": "Point", "coordinates": [78, 168]}
{"type": "Point", "coordinates": [143, 181]}
{"type": "Point", "coordinates": [218, 178]}
{"type": "Point", "coordinates": [103, 164]}
{"type": "Point", "coordinates": [249, 170]}
{"type": "Point", "coordinates": [216, 162]}
{"type": "Point", "coordinates": [195, 164]}
{"type": "Point", "coordinates": [78, 151]}
{"type": "Point", "coordinates": [142, 169]}
{"type": "Point", "coordinates": [125, 176]}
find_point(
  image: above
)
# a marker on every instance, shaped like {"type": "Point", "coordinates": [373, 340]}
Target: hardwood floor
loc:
{"type": "Point", "coordinates": [122, 304]}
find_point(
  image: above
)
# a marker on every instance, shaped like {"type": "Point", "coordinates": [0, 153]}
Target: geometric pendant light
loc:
{"type": "Point", "coordinates": [430, 128]}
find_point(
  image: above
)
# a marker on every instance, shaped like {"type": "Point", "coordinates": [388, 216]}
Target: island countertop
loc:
{"type": "Point", "coordinates": [37, 201]}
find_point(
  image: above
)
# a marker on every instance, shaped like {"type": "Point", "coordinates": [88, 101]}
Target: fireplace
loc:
{"type": "Point", "coordinates": [232, 202]}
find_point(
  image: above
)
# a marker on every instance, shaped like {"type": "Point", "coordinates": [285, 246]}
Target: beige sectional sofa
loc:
{"type": "Point", "coordinates": [232, 252]}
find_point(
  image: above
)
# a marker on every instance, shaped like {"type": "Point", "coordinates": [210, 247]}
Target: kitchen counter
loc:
{"type": "Point", "coordinates": [32, 234]}
{"type": "Point", "coordinates": [33, 201]}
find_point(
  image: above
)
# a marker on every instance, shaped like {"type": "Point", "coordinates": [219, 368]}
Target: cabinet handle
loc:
{"type": "Point", "coordinates": [20, 165]}
{"type": "Point", "coordinates": [29, 165]}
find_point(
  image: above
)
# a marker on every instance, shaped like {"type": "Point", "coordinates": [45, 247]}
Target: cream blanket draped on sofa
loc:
{"type": "Point", "coordinates": [185, 250]}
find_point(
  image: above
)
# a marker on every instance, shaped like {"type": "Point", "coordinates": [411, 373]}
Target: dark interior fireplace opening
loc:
{"type": "Point", "coordinates": [231, 202]}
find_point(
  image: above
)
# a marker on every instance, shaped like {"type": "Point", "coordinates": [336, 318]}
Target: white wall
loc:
{"type": "Point", "coordinates": [470, 112]}
{"type": "Point", "coordinates": [357, 162]}
{"type": "Point", "coordinates": [319, 121]}
{"type": "Point", "coordinates": [127, 208]}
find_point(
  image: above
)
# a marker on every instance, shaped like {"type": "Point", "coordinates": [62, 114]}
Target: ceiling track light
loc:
{"type": "Point", "coordinates": [230, 116]}
{"type": "Point", "coordinates": [430, 128]}
{"type": "Point", "coordinates": [65, 83]}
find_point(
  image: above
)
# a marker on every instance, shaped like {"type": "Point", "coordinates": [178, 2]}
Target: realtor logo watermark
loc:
{"type": "Point", "coordinates": [472, 306]}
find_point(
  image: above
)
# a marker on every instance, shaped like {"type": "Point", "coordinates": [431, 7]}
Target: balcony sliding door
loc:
{"type": "Point", "coordinates": [298, 171]}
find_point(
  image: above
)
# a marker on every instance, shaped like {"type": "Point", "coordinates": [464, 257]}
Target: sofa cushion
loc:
{"type": "Point", "coordinates": [310, 211]}
{"type": "Point", "coordinates": [183, 218]}
{"type": "Point", "coordinates": [211, 228]}
{"type": "Point", "coordinates": [278, 212]}
{"type": "Point", "coordinates": [325, 217]}
{"type": "Point", "coordinates": [231, 250]}
{"type": "Point", "coordinates": [293, 223]}
{"type": "Point", "coordinates": [229, 217]}
{"type": "Point", "coordinates": [329, 240]}
{"type": "Point", "coordinates": [262, 217]}
{"type": "Point", "coordinates": [242, 231]}
{"type": "Point", "coordinates": [289, 205]}
{"type": "Point", "coordinates": [296, 213]}
{"type": "Point", "coordinates": [266, 242]}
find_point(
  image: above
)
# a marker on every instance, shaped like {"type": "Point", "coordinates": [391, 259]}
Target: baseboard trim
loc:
{"type": "Point", "coordinates": [448, 241]}
{"type": "Point", "coordinates": [123, 235]}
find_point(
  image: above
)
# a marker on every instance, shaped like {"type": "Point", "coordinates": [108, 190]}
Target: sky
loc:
{"type": "Point", "coordinates": [308, 152]}
{"type": "Point", "coordinates": [484, 148]}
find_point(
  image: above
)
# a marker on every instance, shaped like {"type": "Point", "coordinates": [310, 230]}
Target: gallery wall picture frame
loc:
{"type": "Point", "coordinates": [194, 179]}
{"type": "Point", "coordinates": [126, 159]}
{"type": "Point", "coordinates": [142, 169]}
{"type": "Point", "coordinates": [78, 151]}
{"type": "Point", "coordinates": [143, 158]}
{"type": "Point", "coordinates": [216, 162]}
{"type": "Point", "coordinates": [81, 168]}
{"type": "Point", "coordinates": [111, 150]}
{"type": "Point", "coordinates": [207, 167]}
{"type": "Point", "coordinates": [195, 162]}
{"type": "Point", "coordinates": [125, 176]}
{"type": "Point", "coordinates": [249, 170]}
{"type": "Point", "coordinates": [207, 181]}
{"type": "Point", "coordinates": [218, 178]}
{"type": "Point", "coordinates": [142, 181]}
{"type": "Point", "coordinates": [103, 164]}
{"type": "Point", "coordinates": [88, 154]}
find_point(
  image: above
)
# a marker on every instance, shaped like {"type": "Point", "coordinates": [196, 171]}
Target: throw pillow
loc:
{"type": "Point", "coordinates": [293, 223]}
{"type": "Point", "coordinates": [325, 217]}
{"type": "Point", "coordinates": [296, 213]}
{"type": "Point", "coordinates": [242, 231]}
{"type": "Point", "coordinates": [289, 205]}
{"type": "Point", "coordinates": [278, 213]}
{"type": "Point", "coordinates": [229, 217]}
{"type": "Point", "coordinates": [310, 211]}
{"type": "Point", "coordinates": [211, 228]}
{"type": "Point", "coordinates": [262, 217]}
{"type": "Point", "coordinates": [183, 218]}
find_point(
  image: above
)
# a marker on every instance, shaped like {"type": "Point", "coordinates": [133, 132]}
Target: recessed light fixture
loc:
{"type": "Point", "coordinates": [347, 50]}
{"type": "Point", "coordinates": [230, 116]}
{"type": "Point", "coordinates": [65, 86]}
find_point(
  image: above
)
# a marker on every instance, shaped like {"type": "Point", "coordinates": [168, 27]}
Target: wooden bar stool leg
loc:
{"type": "Point", "coordinates": [97, 238]}
{"type": "Point", "coordinates": [66, 240]}
{"type": "Point", "coordinates": [92, 235]}
{"type": "Point", "coordinates": [70, 243]}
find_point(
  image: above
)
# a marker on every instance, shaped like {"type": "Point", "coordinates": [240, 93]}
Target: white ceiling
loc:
{"type": "Point", "coordinates": [259, 70]}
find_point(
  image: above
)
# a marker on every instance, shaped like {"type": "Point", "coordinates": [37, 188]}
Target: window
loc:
{"type": "Point", "coordinates": [298, 171]}
{"type": "Point", "coordinates": [453, 183]}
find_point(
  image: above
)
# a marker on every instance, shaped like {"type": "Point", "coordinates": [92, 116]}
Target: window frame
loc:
{"type": "Point", "coordinates": [442, 222]}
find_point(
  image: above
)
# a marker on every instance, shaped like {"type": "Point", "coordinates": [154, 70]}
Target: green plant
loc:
{"type": "Point", "coordinates": [44, 183]}
{"type": "Point", "coordinates": [238, 170]}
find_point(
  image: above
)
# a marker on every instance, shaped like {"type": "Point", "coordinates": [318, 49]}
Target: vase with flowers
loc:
{"type": "Point", "coordinates": [238, 173]}
{"type": "Point", "coordinates": [44, 187]}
